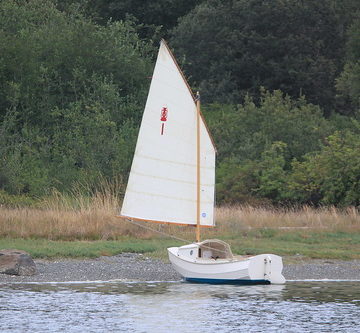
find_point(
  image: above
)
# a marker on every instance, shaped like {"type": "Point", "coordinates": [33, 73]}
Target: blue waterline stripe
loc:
{"type": "Point", "coordinates": [227, 281]}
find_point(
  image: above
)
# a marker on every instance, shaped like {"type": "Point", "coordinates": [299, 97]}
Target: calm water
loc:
{"type": "Point", "coordinates": [180, 307]}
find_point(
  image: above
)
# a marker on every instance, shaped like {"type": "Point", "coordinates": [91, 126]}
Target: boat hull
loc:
{"type": "Point", "coordinates": [260, 269]}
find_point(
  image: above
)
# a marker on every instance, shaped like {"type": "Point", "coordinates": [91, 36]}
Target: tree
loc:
{"type": "Point", "coordinates": [245, 131]}
{"type": "Point", "coordinates": [68, 91]}
{"type": "Point", "coordinates": [349, 81]}
{"type": "Point", "coordinates": [155, 18]}
{"type": "Point", "coordinates": [233, 47]}
{"type": "Point", "coordinates": [271, 174]}
{"type": "Point", "coordinates": [331, 176]}
{"type": "Point", "coordinates": [257, 143]}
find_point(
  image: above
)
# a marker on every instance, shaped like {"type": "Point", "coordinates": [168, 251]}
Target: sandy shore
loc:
{"type": "Point", "coordinates": [136, 267]}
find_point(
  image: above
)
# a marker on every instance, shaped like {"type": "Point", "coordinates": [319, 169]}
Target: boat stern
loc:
{"type": "Point", "coordinates": [268, 267]}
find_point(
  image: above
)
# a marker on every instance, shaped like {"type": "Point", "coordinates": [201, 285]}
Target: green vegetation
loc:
{"type": "Point", "coordinates": [349, 80]}
{"type": "Point", "coordinates": [314, 244]}
{"type": "Point", "coordinates": [15, 201]}
{"type": "Point", "coordinates": [233, 47]}
{"type": "Point", "coordinates": [280, 85]}
{"type": "Point", "coordinates": [284, 151]}
{"type": "Point", "coordinates": [42, 248]}
{"type": "Point", "coordinates": [68, 91]}
{"type": "Point", "coordinates": [332, 245]}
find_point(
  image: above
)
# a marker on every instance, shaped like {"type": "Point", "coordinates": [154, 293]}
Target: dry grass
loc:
{"type": "Point", "coordinates": [69, 217]}
{"type": "Point", "coordinates": [238, 218]}
{"type": "Point", "coordinates": [81, 217]}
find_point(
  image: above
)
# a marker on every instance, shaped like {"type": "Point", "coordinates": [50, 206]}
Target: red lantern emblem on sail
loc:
{"type": "Point", "coordinates": [163, 118]}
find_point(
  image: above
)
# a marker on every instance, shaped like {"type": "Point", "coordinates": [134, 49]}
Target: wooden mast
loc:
{"type": "Point", "coordinates": [197, 167]}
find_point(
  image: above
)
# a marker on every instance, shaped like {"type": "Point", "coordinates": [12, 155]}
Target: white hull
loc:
{"type": "Point", "coordinates": [263, 268]}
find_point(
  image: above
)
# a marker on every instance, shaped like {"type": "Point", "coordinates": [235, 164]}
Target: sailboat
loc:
{"type": "Point", "coordinates": [172, 180]}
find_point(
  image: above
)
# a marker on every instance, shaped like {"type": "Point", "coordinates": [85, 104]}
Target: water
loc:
{"type": "Point", "coordinates": [298, 306]}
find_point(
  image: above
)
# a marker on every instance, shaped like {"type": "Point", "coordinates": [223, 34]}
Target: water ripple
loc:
{"type": "Point", "coordinates": [118, 306]}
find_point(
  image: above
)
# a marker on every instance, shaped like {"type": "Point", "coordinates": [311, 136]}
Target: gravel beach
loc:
{"type": "Point", "coordinates": [137, 267]}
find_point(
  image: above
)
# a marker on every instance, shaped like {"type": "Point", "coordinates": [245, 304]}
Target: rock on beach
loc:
{"type": "Point", "coordinates": [16, 262]}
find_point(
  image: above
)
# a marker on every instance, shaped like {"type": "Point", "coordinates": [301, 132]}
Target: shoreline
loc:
{"type": "Point", "coordinates": [137, 267]}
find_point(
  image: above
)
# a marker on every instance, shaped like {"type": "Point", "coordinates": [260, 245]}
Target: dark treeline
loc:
{"type": "Point", "coordinates": [280, 85]}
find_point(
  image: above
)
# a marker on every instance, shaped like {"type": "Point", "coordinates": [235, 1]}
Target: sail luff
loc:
{"type": "Point", "coordinates": [179, 69]}
{"type": "Point", "coordinates": [163, 41]}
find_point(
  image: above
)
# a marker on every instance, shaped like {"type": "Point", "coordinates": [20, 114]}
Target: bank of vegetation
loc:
{"type": "Point", "coordinates": [280, 85]}
{"type": "Point", "coordinates": [77, 225]}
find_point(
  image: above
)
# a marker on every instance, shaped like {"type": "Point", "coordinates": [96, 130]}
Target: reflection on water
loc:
{"type": "Point", "coordinates": [180, 307]}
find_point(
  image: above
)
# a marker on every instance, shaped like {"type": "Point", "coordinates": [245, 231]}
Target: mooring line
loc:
{"type": "Point", "coordinates": [159, 232]}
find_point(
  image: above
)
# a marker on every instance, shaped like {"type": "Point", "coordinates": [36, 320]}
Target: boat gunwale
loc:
{"type": "Point", "coordinates": [201, 261]}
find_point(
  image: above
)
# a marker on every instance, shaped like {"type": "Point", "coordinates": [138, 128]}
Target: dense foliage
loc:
{"type": "Point", "coordinates": [68, 91]}
{"type": "Point", "coordinates": [349, 81]}
{"type": "Point", "coordinates": [153, 17]}
{"type": "Point", "coordinates": [295, 46]}
{"type": "Point", "coordinates": [282, 77]}
{"type": "Point", "coordinates": [285, 151]}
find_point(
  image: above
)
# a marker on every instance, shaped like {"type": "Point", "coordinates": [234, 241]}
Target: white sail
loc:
{"type": "Point", "coordinates": [162, 181]}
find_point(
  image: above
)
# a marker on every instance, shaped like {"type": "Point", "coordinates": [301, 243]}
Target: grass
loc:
{"type": "Point", "coordinates": [334, 245]}
{"type": "Point", "coordinates": [43, 248]}
{"type": "Point", "coordinates": [304, 217]}
{"type": "Point", "coordinates": [331, 245]}
{"type": "Point", "coordinates": [76, 225]}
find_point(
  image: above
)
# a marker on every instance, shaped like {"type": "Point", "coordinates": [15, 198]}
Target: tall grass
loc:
{"type": "Point", "coordinates": [242, 217]}
{"type": "Point", "coordinates": [92, 216]}
{"type": "Point", "coordinates": [78, 215]}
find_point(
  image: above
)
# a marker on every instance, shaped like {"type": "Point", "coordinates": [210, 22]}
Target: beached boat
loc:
{"type": "Point", "coordinates": [172, 180]}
